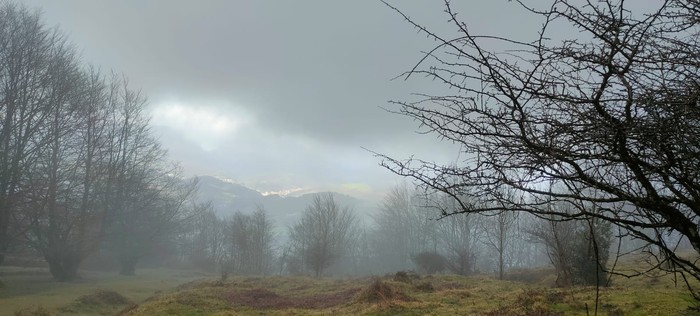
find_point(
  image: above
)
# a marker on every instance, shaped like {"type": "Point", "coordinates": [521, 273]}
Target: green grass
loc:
{"type": "Point", "coordinates": [32, 288]}
{"type": "Point", "coordinates": [447, 295]}
{"type": "Point", "coordinates": [169, 292]}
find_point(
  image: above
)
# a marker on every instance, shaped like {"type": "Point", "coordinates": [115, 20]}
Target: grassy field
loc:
{"type": "Point", "coordinates": [168, 292]}
{"type": "Point", "coordinates": [28, 291]}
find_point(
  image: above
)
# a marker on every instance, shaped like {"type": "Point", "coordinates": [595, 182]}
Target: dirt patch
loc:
{"type": "Point", "coordinates": [103, 297]}
{"type": "Point", "coordinates": [380, 291]}
{"type": "Point", "coordinates": [266, 299]}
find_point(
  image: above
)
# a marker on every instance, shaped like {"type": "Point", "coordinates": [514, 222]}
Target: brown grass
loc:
{"type": "Point", "coordinates": [266, 299]}
{"type": "Point", "coordinates": [34, 311]}
{"type": "Point", "coordinates": [102, 297]}
{"type": "Point", "coordinates": [379, 291]}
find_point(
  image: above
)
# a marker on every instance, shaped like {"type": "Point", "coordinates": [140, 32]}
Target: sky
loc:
{"type": "Point", "coordinates": [281, 96]}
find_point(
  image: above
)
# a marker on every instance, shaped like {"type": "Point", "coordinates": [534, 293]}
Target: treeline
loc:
{"type": "Point", "coordinates": [82, 176]}
{"type": "Point", "coordinates": [80, 169]}
{"type": "Point", "coordinates": [408, 232]}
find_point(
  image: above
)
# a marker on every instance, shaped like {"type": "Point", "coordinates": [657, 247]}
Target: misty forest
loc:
{"type": "Point", "coordinates": [544, 163]}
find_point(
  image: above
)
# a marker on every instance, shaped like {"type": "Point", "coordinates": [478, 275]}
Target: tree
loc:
{"type": "Point", "coordinates": [605, 122]}
{"type": "Point", "coordinates": [153, 213]}
{"type": "Point", "coordinates": [61, 215]}
{"type": "Point", "coordinates": [78, 162]}
{"type": "Point", "coordinates": [203, 239]}
{"type": "Point", "coordinates": [144, 194]}
{"type": "Point", "coordinates": [460, 237]}
{"type": "Point", "coordinates": [499, 236]}
{"type": "Point", "coordinates": [28, 50]}
{"type": "Point", "coordinates": [250, 238]}
{"type": "Point", "coordinates": [404, 227]}
{"type": "Point", "coordinates": [578, 249]}
{"type": "Point", "coordinates": [321, 236]}
{"type": "Point", "coordinates": [50, 131]}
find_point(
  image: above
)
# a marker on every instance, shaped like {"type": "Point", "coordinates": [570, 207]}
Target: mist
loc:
{"type": "Point", "coordinates": [355, 157]}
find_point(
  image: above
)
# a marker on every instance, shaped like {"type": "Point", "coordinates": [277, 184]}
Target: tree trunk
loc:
{"type": "Point", "coordinates": [63, 266]}
{"type": "Point", "coordinates": [500, 263]}
{"type": "Point", "coordinates": [128, 265]}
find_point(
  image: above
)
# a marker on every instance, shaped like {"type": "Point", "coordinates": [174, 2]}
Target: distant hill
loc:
{"type": "Point", "coordinates": [228, 198]}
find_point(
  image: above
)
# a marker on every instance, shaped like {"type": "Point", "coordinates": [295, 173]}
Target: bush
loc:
{"type": "Point", "coordinates": [405, 277]}
{"type": "Point", "coordinates": [102, 297]}
{"type": "Point", "coordinates": [380, 291]}
{"type": "Point", "coordinates": [425, 287]}
{"type": "Point", "coordinates": [429, 262]}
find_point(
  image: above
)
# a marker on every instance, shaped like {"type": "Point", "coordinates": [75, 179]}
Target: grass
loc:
{"type": "Point", "coordinates": [431, 295]}
{"type": "Point", "coordinates": [31, 290]}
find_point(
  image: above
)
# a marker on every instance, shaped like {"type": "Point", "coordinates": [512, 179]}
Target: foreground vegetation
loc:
{"type": "Point", "coordinates": [170, 292]}
{"type": "Point", "coordinates": [31, 291]}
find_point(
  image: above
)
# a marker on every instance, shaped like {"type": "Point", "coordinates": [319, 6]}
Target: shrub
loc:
{"type": "Point", "coordinates": [379, 291]}
{"type": "Point", "coordinates": [430, 262]}
{"type": "Point", "coordinates": [405, 277]}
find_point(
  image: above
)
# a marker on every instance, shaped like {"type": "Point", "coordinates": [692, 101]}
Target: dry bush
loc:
{"type": "Point", "coordinates": [103, 297]}
{"type": "Point", "coordinates": [430, 262]}
{"type": "Point", "coordinates": [405, 276]}
{"type": "Point", "coordinates": [531, 302]}
{"type": "Point", "coordinates": [426, 286]}
{"type": "Point", "coordinates": [380, 291]}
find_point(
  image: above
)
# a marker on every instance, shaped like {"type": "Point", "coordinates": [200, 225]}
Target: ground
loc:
{"type": "Point", "coordinates": [170, 292]}
{"type": "Point", "coordinates": [28, 290]}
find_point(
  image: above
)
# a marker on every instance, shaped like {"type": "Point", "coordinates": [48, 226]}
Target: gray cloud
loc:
{"type": "Point", "coordinates": [295, 87]}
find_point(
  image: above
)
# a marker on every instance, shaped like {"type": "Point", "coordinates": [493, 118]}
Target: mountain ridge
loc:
{"type": "Point", "coordinates": [228, 197]}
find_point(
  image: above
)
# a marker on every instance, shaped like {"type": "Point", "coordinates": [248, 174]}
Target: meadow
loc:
{"type": "Point", "coordinates": [30, 291]}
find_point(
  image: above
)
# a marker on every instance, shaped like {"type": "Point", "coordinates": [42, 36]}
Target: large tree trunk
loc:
{"type": "Point", "coordinates": [128, 265]}
{"type": "Point", "coordinates": [63, 266]}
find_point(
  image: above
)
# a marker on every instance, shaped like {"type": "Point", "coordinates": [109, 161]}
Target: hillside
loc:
{"type": "Point", "coordinates": [228, 198]}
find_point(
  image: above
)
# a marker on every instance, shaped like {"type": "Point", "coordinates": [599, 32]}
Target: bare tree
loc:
{"type": "Point", "coordinates": [51, 139]}
{"type": "Point", "coordinates": [499, 235]}
{"type": "Point", "coordinates": [610, 117]}
{"type": "Point", "coordinates": [27, 51]}
{"type": "Point", "coordinates": [578, 249]}
{"type": "Point", "coordinates": [460, 237]}
{"type": "Point", "coordinates": [153, 213]}
{"type": "Point", "coordinates": [203, 240]}
{"type": "Point", "coordinates": [250, 238]}
{"type": "Point", "coordinates": [144, 194]}
{"type": "Point", "coordinates": [404, 228]}
{"type": "Point", "coordinates": [62, 218]}
{"type": "Point", "coordinates": [321, 236]}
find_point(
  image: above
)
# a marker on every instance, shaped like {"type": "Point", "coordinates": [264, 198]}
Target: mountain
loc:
{"type": "Point", "coordinates": [228, 198]}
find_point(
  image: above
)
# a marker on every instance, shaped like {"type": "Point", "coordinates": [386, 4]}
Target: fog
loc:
{"type": "Point", "coordinates": [331, 139]}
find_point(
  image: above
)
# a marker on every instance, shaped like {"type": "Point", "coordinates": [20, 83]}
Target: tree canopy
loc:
{"type": "Point", "coordinates": [604, 122]}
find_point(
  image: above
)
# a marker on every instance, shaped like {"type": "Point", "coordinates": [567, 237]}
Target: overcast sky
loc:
{"type": "Point", "coordinates": [276, 95]}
